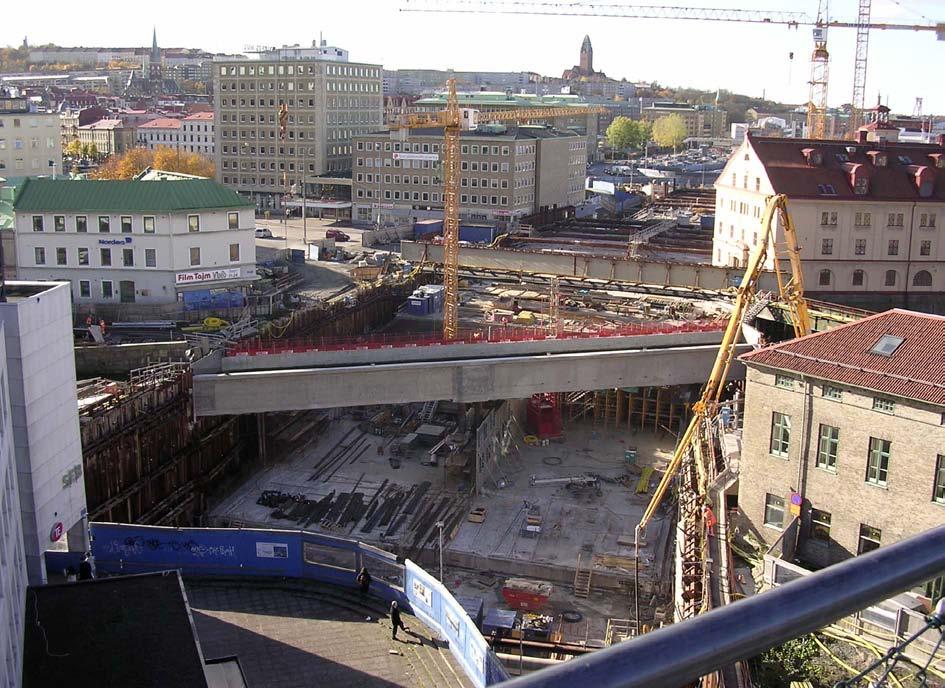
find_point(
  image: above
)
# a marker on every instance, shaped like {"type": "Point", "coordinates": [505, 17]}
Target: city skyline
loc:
{"type": "Point", "coordinates": [673, 53]}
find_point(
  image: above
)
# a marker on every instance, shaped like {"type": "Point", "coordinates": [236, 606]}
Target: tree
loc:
{"type": "Point", "coordinates": [129, 164]}
{"type": "Point", "coordinates": [669, 131]}
{"type": "Point", "coordinates": [73, 149]}
{"type": "Point", "coordinates": [625, 133]}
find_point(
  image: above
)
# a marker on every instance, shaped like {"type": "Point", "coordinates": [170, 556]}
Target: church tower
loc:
{"type": "Point", "coordinates": [587, 57]}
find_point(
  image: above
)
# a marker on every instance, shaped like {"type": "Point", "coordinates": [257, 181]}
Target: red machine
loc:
{"type": "Point", "coordinates": [544, 415]}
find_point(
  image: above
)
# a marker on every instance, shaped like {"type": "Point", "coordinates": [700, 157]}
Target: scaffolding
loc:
{"type": "Point", "coordinates": [655, 409]}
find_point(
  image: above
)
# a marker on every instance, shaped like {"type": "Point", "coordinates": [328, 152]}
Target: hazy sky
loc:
{"type": "Point", "coordinates": [744, 58]}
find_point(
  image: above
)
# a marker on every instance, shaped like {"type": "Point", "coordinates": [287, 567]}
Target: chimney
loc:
{"type": "Point", "coordinates": [861, 135]}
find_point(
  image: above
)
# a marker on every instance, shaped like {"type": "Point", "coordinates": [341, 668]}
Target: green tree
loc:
{"type": "Point", "coordinates": [73, 149]}
{"type": "Point", "coordinates": [669, 131]}
{"type": "Point", "coordinates": [624, 133]}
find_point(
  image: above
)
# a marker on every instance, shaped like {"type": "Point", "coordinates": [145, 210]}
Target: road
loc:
{"type": "Point", "coordinates": [290, 234]}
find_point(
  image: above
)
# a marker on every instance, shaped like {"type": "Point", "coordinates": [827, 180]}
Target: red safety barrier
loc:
{"type": "Point", "coordinates": [496, 334]}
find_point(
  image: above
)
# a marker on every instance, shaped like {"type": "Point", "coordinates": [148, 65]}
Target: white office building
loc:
{"type": "Point", "coordinates": [152, 242]}
{"type": "Point", "coordinates": [30, 142]}
{"type": "Point", "coordinates": [192, 134]}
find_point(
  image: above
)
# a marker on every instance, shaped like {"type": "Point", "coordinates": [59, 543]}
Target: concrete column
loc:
{"type": "Point", "coordinates": [261, 431]}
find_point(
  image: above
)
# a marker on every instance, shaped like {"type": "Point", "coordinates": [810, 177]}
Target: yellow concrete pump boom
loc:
{"type": "Point", "coordinates": [792, 292]}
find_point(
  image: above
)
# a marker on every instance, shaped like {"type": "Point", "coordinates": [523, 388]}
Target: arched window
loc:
{"type": "Point", "coordinates": [890, 278]}
{"type": "Point", "coordinates": [857, 278]}
{"type": "Point", "coordinates": [923, 278]}
{"type": "Point", "coordinates": [824, 279]}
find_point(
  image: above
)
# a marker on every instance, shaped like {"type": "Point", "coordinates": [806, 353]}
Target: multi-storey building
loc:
{"type": "Point", "coordinates": [869, 214]}
{"type": "Point", "coordinates": [110, 136]}
{"type": "Point", "coordinates": [414, 82]}
{"type": "Point", "coordinates": [134, 241]}
{"type": "Point", "coordinates": [504, 173]}
{"type": "Point", "coordinates": [847, 425]}
{"type": "Point", "coordinates": [328, 100]}
{"type": "Point", "coordinates": [702, 121]}
{"type": "Point", "coordinates": [30, 142]}
{"type": "Point", "coordinates": [193, 134]}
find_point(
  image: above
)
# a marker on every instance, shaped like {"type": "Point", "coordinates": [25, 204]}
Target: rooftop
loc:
{"type": "Point", "coordinates": [123, 631]}
{"type": "Point", "coordinates": [104, 124]}
{"type": "Point", "coordinates": [161, 123]}
{"type": "Point", "coordinates": [868, 354]}
{"type": "Point", "coordinates": [519, 132]}
{"type": "Point", "coordinates": [206, 116]}
{"type": "Point", "coordinates": [909, 168]}
{"type": "Point", "coordinates": [505, 99]}
{"type": "Point", "coordinates": [50, 195]}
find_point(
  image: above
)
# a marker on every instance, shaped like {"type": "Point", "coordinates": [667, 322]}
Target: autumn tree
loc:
{"type": "Point", "coordinates": [624, 133]}
{"type": "Point", "coordinates": [134, 161]}
{"type": "Point", "coordinates": [73, 149]}
{"type": "Point", "coordinates": [669, 131]}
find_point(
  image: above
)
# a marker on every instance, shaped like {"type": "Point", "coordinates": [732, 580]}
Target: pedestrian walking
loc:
{"type": "Point", "coordinates": [85, 569]}
{"type": "Point", "coordinates": [395, 621]}
{"type": "Point", "coordinates": [364, 580]}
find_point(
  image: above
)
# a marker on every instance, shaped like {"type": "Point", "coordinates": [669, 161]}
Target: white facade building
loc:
{"type": "Point", "coordinates": [30, 142]}
{"type": "Point", "coordinates": [870, 216]}
{"type": "Point", "coordinates": [37, 325]}
{"type": "Point", "coordinates": [192, 134]}
{"type": "Point", "coordinates": [12, 558]}
{"type": "Point", "coordinates": [154, 242]}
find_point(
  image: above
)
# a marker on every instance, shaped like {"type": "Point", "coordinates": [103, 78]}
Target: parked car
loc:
{"type": "Point", "coordinates": [337, 235]}
{"type": "Point", "coordinates": [263, 233]}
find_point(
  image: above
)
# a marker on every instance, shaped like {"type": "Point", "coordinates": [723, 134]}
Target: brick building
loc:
{"type": "Point", "coordinates": [851, 420]}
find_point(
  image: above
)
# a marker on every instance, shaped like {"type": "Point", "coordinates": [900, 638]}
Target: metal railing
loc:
{"type": "Point", "coordinates": [675, 655]}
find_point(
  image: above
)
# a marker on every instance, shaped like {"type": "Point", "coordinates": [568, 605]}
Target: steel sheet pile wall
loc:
{"type": "Point", "coordinates": [145, 459]}
{"type": "Point", "coordinates": [126, 549]}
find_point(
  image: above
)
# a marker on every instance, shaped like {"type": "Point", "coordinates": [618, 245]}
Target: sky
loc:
{"type": "Point", "coordinates": [744, 58]}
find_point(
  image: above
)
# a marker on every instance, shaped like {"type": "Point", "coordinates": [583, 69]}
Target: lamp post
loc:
{"type": "Point", "coordinates": [440, 525]}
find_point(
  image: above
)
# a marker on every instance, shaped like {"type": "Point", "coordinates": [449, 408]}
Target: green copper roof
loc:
{"type": "Point", "coordinates": [50, 195]}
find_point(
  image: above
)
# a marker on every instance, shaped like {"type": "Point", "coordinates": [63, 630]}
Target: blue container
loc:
{"type": "Point", "coordinates": [501, 621]}
{"type": "Point", "coordinates": [477, 234]}
{"type": "Point", "coordinates": [707, 222]}
{"type": "Point", "coordinates": [473, 608]}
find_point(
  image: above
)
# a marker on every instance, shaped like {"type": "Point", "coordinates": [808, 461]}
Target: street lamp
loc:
{"type": "Point", "coordinates": [440, 525]}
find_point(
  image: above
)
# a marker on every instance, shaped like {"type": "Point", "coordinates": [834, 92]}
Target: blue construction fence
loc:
{"type": "Point", "coordinates": [124, 549]}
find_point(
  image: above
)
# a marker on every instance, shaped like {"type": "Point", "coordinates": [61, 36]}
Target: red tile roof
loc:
{"type": "Point", "coordinates": [161, 123]}
{"type": "Point", "coordinates": [200, 116]}
{"type": "Point", "coordinates": [790, 173]}
{"type": "Point", "coordinates": [915, 370]}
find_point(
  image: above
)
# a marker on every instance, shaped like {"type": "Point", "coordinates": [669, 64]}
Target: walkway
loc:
{"type": "Point", "coordinates": [300, 636]}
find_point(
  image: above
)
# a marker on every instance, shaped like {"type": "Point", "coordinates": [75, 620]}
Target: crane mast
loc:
{"type": "Point", "coordinates": [819, 72]}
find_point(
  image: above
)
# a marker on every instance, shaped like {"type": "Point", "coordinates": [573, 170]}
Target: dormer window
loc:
{"type": "Point", "coordinates": [826, 190]}
{"type": "Point", "coordinates": [905, 160]}
{"type": "Point", "coordinates": [938, 160]}
{"type": "Point", "coordinates": [861, 186]}
{"type": "Point", "coordinates": [924, 179]}
{"type": "Point", "coordinates": [843, 157]}
{"type": "Point", "coordinates": [878, 158]}
{"type": "Point", "coordinates": [813, 156]}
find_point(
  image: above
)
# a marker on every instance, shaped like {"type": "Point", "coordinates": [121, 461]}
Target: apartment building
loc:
{"type": "Point", "coordinates": [192, 134]}
{"type": "Point", "coordinates": [504, 173]}
{"type": "Point", "coordinates": [134, 241]}
{"type": "Point", "coordinates": [869, 214]}
{"type": "Point", "coordinates": [702, 121]}
{"type": "Point", "coordinates": [328, 101]}
{"type": "Point", "coordinates": [30, 142]}
{"type": "Point", "coordinates": [849, 426]}
{"type": "Point", "coordinates": [110, 136]}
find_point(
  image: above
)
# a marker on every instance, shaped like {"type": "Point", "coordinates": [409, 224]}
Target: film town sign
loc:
{"type": "Point", "coordinates": [206, 276]}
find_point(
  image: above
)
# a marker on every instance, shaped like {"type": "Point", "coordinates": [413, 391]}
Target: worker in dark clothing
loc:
{"type": "Point", "coordinates": [364, 580]}
{"type": "Point", "coordinates": [85, 569]}
{"type": "Point", "coordinates": [395, 621]}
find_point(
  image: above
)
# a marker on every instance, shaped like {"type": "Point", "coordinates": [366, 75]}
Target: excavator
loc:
{"type": "Point", "coordinates": [791, 290]}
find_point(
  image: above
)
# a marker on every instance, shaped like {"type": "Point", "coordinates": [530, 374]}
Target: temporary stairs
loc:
{"type": "Point", "coordinates": [582, 578]}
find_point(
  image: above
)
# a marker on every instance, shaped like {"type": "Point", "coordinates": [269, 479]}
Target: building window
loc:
{"type": "Point", "coordinates": [828, 219]}
{"type": "Point", "coordinates": [927, 220]}
{"type": "Point", "coordinates": [85, 289]}
{"type": "Point", "coordinates": [826, 247]}
{"type": "Point", "coordinates": [824, 278]}
{"type": "Point", "coordinates": [870, 539]}
{"type": "Point", "coordinates": [785, 381]}
{"type": "Point", "coordinates": [923, 278]}
{"type": "Point", "coordinates": [149, 224]}
{"type": "Point", "coordinates": [883, 405]}
{"type": "Point", "coordinates": [37, 223]}
{"type": "Point", "coordinates": [125, 224]}
{"type": "Point", "coordinates": [233, 220]}
{"type": "Point", "coordinates": [81, 223]}
{"type": "Point", "coordinates": [780, 433]}
{"type": "Point", "coordinates": [859, 247]}
{"type": "Point", "coordinates": [107, 289]}
{"type": "Point", "coordinates": [890, 280]}
{"type": "Point", "coordinates": [105, 256]}
{"type": "Point", "coordinates": [59, 223]}
{"type": "Point", "coordinates": [104, 224]}
{"type": "Point", "coordinates": [150, 257]}
{"type": "Point", "coordinates": [820, 525]}
{"type": "Point", "coordinates": [862, 219]}
{"type": "Point", "coordinates": [39, 255]}
{"type": "Point", "coordinates": [831, 392]}
{"type": "Point", "coordinates": [128, 257]}
{"type": "Point", "coordinates": [893, 249]}
{"type": "Point", "coordinates": [234, 253]}
{"type": "Point", "coordinates": [195, 255]}
{"type": "Point", "coordinates": [61, 256]}
{"type": "Point", "coordinates": [938, 489]}
{"type": "Point", "coordinates": [827, 447]}
{"type": "Point", "coordinates": [877, 469]}
{"type": "Point", "coordinates": [894, 219]}
{"type": "Point", "coordinates": [193, 223]}
{"type": "Point", "coordinates": [774, 511]}
{"type": "Point", "coordinates": [858, 278]}
{"type": "Point", "coordinates": [925, 248]}
{"type": "Point", "coordinates": [83, 256]}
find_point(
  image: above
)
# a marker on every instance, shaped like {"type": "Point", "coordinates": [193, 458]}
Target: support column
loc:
{"type": "Point", "coordinates": [261, 432]}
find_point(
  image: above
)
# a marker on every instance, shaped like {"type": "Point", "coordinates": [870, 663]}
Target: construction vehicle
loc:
{"type": "Point", "coordinates": [453, 120]}
{"type": "Point", "coordinates": [817, 101]}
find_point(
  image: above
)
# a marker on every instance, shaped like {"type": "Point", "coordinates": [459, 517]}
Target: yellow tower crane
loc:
{"type": "Point", "coordinates": [454, 120]}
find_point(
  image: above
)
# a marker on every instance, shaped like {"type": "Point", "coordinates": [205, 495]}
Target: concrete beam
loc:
{"type": "Point", "coordinates": [463, 381]}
